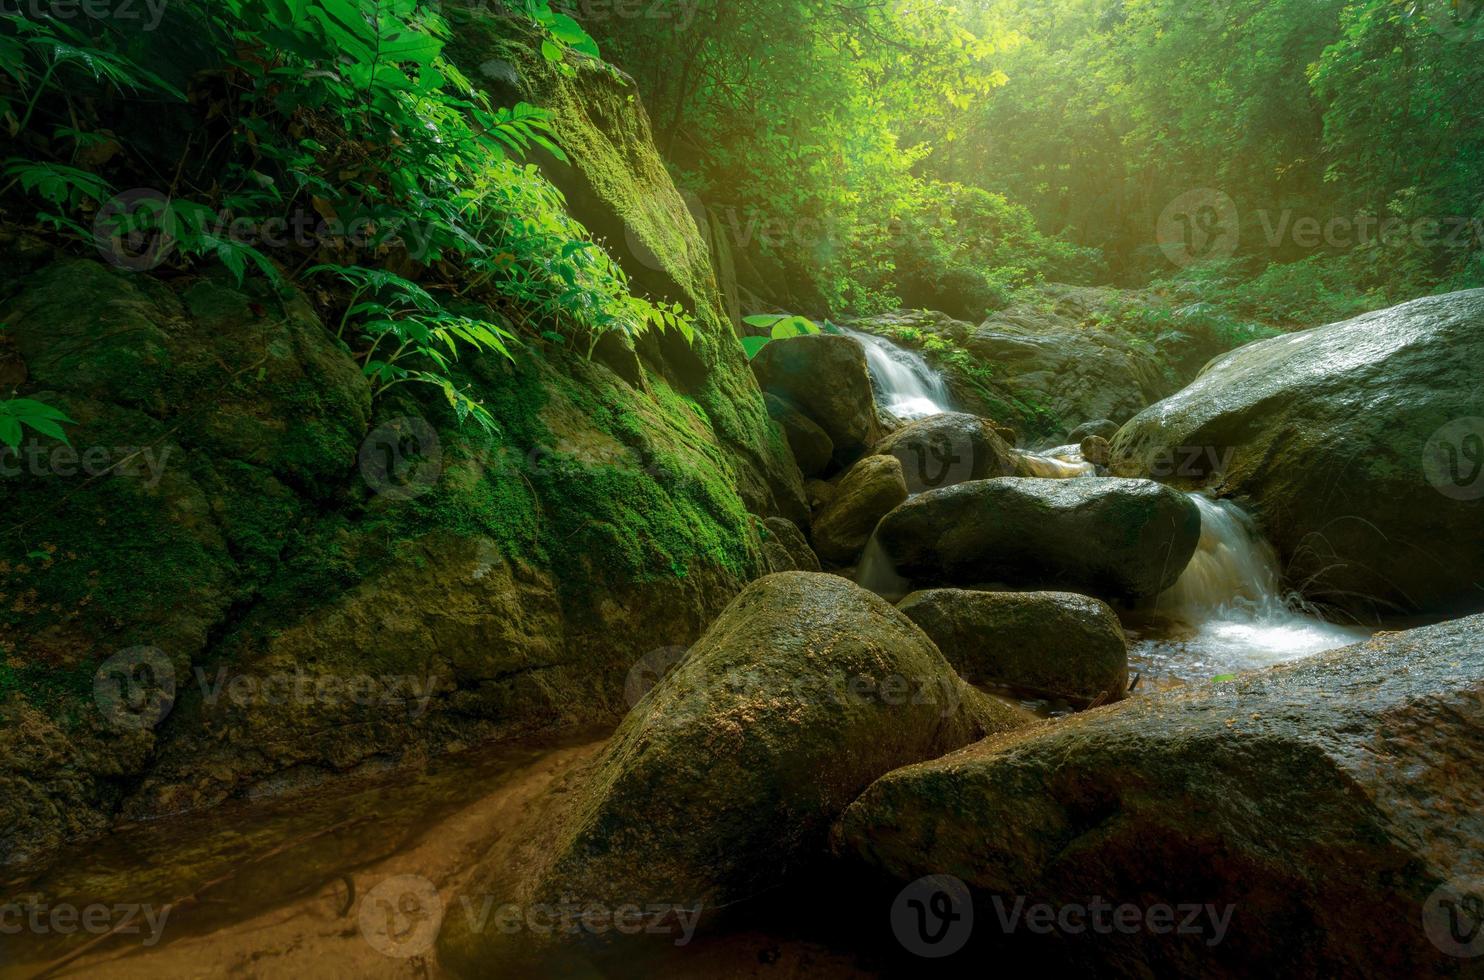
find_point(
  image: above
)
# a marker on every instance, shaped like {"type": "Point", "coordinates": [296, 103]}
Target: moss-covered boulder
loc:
{"type": "Point", "coordinates": [945, 449]}
{"type": "Point", "coordinates": [1321, 817]}
{"type": "Point", "coordinates": [867, 492]}
{"type": "Point", "coordinates": [724, 780]}
{"type": "Point", "coordinates": [1360, 446]}
{"type": "Point", "coordinates": [1116, 539]}
{"type": "Point", "coordinates": [1047, 644]}
{"type": "Point", "coordinates": [234, 515]}
{"type": "Point", "coordinates": [825, 375]}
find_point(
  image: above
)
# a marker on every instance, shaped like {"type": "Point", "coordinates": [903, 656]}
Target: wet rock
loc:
{"type": "Point", "coordinates": [1323, 803]}
{"type": "Point", "coordinates": [811, 446]}
{"type": "Point", "coordinates": [1047, 644]}
{"type": "Point", "coordinates": [824, 375]}
{"type": "Point", "coordinates": [942, 450]}
{"type": "Point", "coordinates": [1359, 445]}
{"type": "Point", "coordinates": [868, 491]}
{"type": "Point", "coordinates": [1104, 428]}
{"type": "Point", "coordinates": [785, 549]}
{"type": "Point", "coordinates": [1095, 450]}
{"type": "Point", "coordinates": [724, 780]}
{"type": "Point", "coordinates": [1117, 539]}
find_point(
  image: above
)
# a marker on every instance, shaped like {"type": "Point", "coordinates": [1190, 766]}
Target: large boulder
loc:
{"type": "Point", "coordinates": [1123, 539]}
{"type": "Point", "coordinates": [811, 445]}
{"type": "Point", "coordinates": [945, 449]}
{"type": "Point", "coordinates": [867, 492]}
{"type": "Point", "coordinates": [727, 775]}
{"type": "Point", "coordinates": [1312, 816]}
{"type": "Point", "coordinates": [1360, 445]}
{"type": "Point", "coordinates": [825, 375]}
{"type": "Point", "coordinates": [1050, 644]}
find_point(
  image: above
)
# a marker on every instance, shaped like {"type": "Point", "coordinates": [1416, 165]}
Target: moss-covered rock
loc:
{"type": "Point", "coordinates": [231, 501]}
{"type": "Point", "coordinates": [724, 780]}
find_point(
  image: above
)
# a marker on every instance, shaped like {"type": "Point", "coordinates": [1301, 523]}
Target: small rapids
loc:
{"type": "Point", "coordinates": [905, 384]}
{"type": "Point", "coordinates": [1226, 613]}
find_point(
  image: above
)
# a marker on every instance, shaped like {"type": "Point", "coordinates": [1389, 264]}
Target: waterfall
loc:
{"type": "Point", "coordinates": [1226, 612]}
{"type": "Point", "coordinates": [906, 385]}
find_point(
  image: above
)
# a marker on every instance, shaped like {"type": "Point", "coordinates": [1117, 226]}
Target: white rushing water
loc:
{"type": "Point", "coordinates": [905, 384]}
{"type": "Point", "coordinates": [1227, 613]}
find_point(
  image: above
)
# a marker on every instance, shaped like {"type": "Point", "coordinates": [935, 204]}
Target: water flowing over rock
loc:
{"type": "Point", "coordinates": [1360, 446]}
{"type": "Point", "coordinates": [1116, 539]}
{"type": "Point", "coordinates": [1327, 804]}
{"type": "Point", "coordinates": [726, 777]}
{"type": "Point", "coordinates": [906, 386]}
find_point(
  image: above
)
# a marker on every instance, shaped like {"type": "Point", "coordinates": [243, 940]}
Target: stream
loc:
{"type": "Point", "coordinates": [1226, 614]}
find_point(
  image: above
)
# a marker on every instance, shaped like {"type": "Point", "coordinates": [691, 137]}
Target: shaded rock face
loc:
{"type": "Point", "coordinates": [825, 375]}
{"type": "Point", "coordinates": [1043, 643]}
{"type": "Point", "coordinates": [235, 509]}
{"type": "Point", "coordinates": [812, 447]}
{"type": "Point", "coordinates": [942, 450]}
{"type": "Point", "coordinates": [726, 777]}
{"type": "Point", "coordinates": [785, 548]}
{"type": "Point", "coordinates": [872, 488]}
{"type": "Point", "coordinates": [1117, 539]}
{"type": "Point", "coordinates": [1102, 428]}
{"type": "Point", "coordinates": [1323, 802]}
{"type": "Point", "coordinates": [1358, 445]}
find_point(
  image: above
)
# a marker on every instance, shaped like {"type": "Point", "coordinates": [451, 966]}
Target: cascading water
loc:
{"type": "Point", "coordinates": [1226, 612]}
{"type": "Point", "coordinates": [906, 385]}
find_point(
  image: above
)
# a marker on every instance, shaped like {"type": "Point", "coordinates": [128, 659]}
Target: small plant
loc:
{"type": "Point", "coordinates": [779, 327]}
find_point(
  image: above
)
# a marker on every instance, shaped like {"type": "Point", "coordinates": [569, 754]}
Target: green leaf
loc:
{"type": "Point", "coordinates": [752, 345]}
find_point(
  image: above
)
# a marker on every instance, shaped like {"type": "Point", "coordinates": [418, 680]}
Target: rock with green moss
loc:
{"type": "Point", "coordinates": [1360, 446]}
{"type": "Point", "coordinates": [723, 781]}
{"type": "Point", "coordinates": [867, 492]}
{"type": "Point", "coordinates": [1047, 644]}
{"type": "Point", "coordinates": [1116, 539]}
{"type": "Point", "coordinates": [231, 500]}
{"type": "Point", "coordinates": [1322, 818]}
